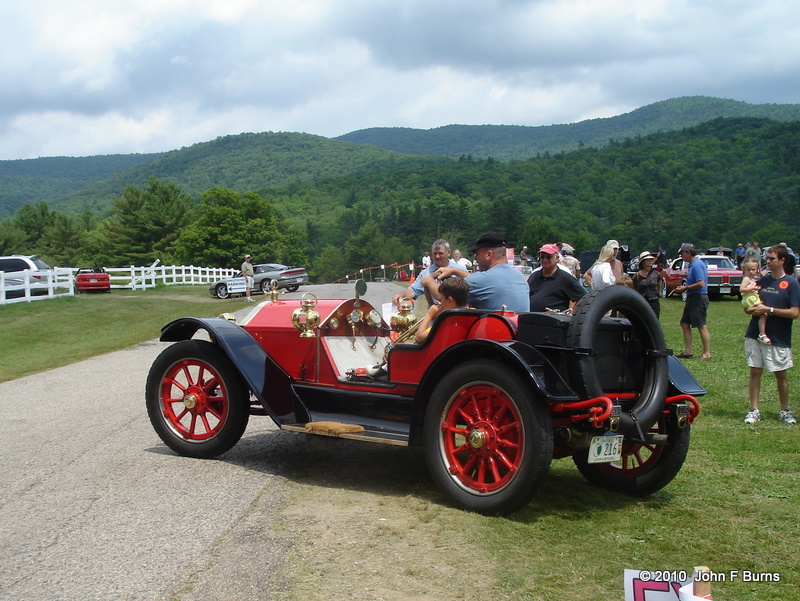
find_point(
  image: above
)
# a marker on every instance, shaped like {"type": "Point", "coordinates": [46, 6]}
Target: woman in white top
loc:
{"type": "Point", "coordinates": [602, 275]}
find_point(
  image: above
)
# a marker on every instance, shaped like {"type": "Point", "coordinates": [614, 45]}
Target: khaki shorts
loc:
{"type": "Point", "coordinates": [767, 356]}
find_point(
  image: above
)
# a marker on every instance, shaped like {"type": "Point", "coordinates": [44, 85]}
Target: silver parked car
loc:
{"type": "Point", "coordinates": [39, 273]}
{"type": "Point", "coordinates": [287, 277]}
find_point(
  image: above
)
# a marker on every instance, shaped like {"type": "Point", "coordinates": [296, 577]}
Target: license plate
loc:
{"type": "Point", "coordinates": [93, 280]}
{"type": "Point", "coordinates": [725, 290]}
{"type": "Point", "coordinates": [604, 449]}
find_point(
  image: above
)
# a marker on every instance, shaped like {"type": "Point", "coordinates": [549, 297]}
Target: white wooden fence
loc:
{"type": "Point", "coordinates": [141, 278]}
{"type": "Point", "coordinates": [22, 286]}
{"type": "Point", "coordinates": [25, 286]}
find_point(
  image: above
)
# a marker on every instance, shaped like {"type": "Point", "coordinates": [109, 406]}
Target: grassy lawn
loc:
{"type": "Point", "coordinates": [44, 334]}
{"type": "Point", "coordinates": [734, 505]}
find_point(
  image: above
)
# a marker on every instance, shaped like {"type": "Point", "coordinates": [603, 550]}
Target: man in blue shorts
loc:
{"type": "Point", "coordinates": [780, 301]}
{"type": "Point", "coordinates": [497, 284]}
{"type": "Point", "coordinates": [696, 309]}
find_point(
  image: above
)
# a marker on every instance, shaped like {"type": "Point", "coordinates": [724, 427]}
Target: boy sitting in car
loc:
{"type": "Point", "coordinates": [454, 292]}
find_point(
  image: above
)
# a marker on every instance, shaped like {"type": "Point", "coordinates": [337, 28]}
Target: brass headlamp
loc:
{"type": "Point", "coordinates": [404, 317]}
{"type": "Point", "coordinates": [305, 318]}
{"type": "Point", "coordinates": [404, 323]}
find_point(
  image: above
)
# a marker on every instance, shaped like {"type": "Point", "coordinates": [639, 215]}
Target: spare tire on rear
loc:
{"type": "Point", "coordinates": [582, 335]}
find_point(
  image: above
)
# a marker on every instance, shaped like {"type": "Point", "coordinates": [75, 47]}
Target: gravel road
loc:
{"type": "Point", "coordinates": [94, 506]}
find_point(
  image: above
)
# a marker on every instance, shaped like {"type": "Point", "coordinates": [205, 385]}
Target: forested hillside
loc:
{"type": "Point", "coordinates": [34, 180]}
{"type": "Point", "coordinates": [510, 142]}
{"type": "Point", "coordinates": [242, 163]}
{"type": "Point", "coordinates": [721, 182]}
{"type": "Point", "coordinates": [267, 160]}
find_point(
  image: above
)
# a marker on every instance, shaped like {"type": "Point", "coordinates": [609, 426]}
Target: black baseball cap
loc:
{"type": "Point", "coordinates": [488, 241]}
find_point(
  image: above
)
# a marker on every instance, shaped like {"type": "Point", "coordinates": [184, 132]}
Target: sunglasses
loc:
{"type": "Point", "coordinates": [545, 255]}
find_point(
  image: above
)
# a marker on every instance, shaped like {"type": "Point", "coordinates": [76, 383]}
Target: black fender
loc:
{"type": "Point", "coordinates": [681, 380]}
{"type": "Point", "coordinates": [545, 383]}
{"type": "Point", "coordinates": [256, 367]}
{"type": "Point", "coordinates": [581, 335]}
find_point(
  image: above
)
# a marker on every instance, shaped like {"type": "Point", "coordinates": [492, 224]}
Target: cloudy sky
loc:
{"type": "Point", "coordinates": [89, 77]}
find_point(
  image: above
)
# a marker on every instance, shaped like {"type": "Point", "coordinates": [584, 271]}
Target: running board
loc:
{"type": "Point", "coordinates": [390, 438]}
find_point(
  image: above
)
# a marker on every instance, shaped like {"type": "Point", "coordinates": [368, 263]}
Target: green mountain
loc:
{"type": "Point", "coordinates": [243, 163]}
{"type": "Point", "coordinates": [34, 180]}
{"type": "Point", "coordinates": [261, 161]}
{"type": "Point", "coordinates": [711, 184]}
{"type": "Point", "coordinates": [513, 142]}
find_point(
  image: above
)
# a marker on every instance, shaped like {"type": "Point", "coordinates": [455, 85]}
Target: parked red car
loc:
{"type": "Point", "coordinates": [94, 279]}
{"type": "Point", "coordinates": [723, 277]}
{"type": "Point", "coordinates": [491, 397]}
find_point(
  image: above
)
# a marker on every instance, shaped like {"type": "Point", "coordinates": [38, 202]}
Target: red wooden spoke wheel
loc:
{"type": "Point", "coordinates": [637, 458]}
{"type": "Point", "coordinates": [483, 438]}
{"type": "Point", "coordinates": [488, 441]}
{"type": "Point", "coordinates": [196, 400]}
{"type": "Point", "coordinates": [644, 467]}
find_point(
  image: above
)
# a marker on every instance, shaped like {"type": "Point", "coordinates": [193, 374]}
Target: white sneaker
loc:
{"type": "Point", "coordinates": [787, 416]}
{"type": "Point", "coordinates": [753, 416]}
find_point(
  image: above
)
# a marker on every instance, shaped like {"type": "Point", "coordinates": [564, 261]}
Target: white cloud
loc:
{"type": "Point", "coordinates": [110, 76]}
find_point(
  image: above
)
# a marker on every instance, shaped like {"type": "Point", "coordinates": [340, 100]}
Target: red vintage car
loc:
{"type": "Point", "coordinates": [491, 397]}
{"type": "Point", "coordinates": [92, 279]}
{"type": "Point", "coordinates": [723, 276]}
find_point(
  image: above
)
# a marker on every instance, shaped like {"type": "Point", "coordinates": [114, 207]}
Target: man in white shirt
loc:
{"type": "Point", "coordinates": [249, 277]}
{"type": "Point", "coordinates": [465, 263]}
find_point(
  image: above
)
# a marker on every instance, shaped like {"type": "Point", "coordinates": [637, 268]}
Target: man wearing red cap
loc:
{"type": "Point", "coordinates": [551, 287]}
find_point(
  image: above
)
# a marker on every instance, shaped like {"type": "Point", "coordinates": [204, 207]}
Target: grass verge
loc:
{"type": "Point", "coordinates": [44, 334]}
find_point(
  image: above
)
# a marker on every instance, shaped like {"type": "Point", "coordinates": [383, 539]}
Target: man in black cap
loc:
{"type": "Point", "coordinates": [498, 284]}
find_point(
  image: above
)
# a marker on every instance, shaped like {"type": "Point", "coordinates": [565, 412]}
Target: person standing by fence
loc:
{"type": "Point", "coordinates": [249, 277]}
